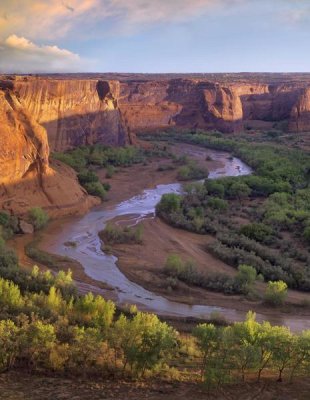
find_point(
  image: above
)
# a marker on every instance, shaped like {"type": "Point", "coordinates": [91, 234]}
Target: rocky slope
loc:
{"type": "Point", "coordinates": [26, 178]}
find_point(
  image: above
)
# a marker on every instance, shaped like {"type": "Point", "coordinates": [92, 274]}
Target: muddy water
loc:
{"type": "Point", "coordinates": [103, 267]}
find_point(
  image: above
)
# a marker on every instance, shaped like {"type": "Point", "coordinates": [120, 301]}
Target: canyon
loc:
{"type": "Point", "coordinates": [59, 112]}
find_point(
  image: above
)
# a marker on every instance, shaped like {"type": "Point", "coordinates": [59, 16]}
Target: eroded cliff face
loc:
{"type": "Point", "coordinates": [75, 112]}
{"type": "Point", "coordinates": [86, 111]}
{"type": "Point", "coordinates": [58, 113]}
{"type": "Point", "coordinates": [189, 103]}
{"type": "Point", "coordinates": [300, 114]}
{"type": "Point", "coordinates": [26, 178]}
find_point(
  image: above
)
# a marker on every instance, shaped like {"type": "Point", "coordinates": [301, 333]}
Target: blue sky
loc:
{"type": "Point", "coordinates": [154, 36]}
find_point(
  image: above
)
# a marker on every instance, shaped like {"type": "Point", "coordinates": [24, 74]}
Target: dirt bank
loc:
{"type": "Point", "coordinates": [143, 264]}
{"type": "Point", "coordinates": [17, 385]}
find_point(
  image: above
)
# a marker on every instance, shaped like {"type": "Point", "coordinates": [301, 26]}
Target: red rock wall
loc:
{"type": "Point", "coordinates": [26, 178]}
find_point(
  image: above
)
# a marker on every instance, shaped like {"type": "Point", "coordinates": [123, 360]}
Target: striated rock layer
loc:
{"type": "Point", "coordinates": [26, 178]}
{"type": "Point", "coordinates": [77, 110]}
{"type": "Point", "coordinates": [59, 112]}
{"type": "Point", "coordinates": [227, 107]}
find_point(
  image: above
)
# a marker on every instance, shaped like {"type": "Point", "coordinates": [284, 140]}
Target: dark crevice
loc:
{"type": "Point", "coordinates": [103, 88]}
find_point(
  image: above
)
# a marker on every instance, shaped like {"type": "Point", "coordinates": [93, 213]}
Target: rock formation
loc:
{"type": "Point", "coordinates": [300, 114]}
{"type": "Point", "coordinates": [61, 112]}
{"type": "Point", "coordinates": [75, 112]}
{"type": "Point", "coordinates": [26, 178]}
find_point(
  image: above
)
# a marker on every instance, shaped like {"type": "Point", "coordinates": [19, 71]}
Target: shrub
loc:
{"type": "Point", "coordinates": [95, 189]}
{"type": "Point", "coordinates": [276, 293]}
{"type": "Point", "coordinates": [174, 265]}
{"type": "Point", "coordinates": [169, 202]}
{"type": "Point", "coordinates": [192, 171]}
{"type": "Point", "coordinates": [117, 235]}
{"type": "Point", "coordinates": [217, 204]}
{"type": "Point", "coordinates": [87, 177]}
{"type": "Point", "coordinates": [214, 188]}
{"type": "Point", "coordinates": [38, 217]}
{"type": "Point", "coordinates": [239, 190]}
{"type": "Point", "coordinates": [257, 231]}
{"type": "Point", "coordinates": [110, 171]}
{"type": "Point", "coordinates": [246, 277]}
{"type": "Point", "coordinates": [306, 234]}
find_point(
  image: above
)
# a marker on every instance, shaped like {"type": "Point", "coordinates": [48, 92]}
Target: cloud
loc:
{"type": "Point", "coordinates": [51, 19]}
{"type": "Point", "coordinates": [295, 12]}
{"type": "Point", "coordinates": [20, 55]}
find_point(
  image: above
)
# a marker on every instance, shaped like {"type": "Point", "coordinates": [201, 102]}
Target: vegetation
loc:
{"type": "Point", "coordinates": [274, 202]}
{"type": "Point", "coordinates": [47, 328]}
{"type": "Point", "coordinates": [84, 157]}
{"type": "Point", "coordinates": [85, 160]}
{"type": "Point", "coordinates": [276, 293]}
{"type": "Point", "coordinates": [113, 234]}
{"type": "Point", "coordinates": [187, 272]}
{"type": "Point", "coordinates": [38, 217]}
{"type": "Point", "coordinates": [192, 171]}
{"type": "Point", "coordinates": [8, 225]}
{"type": "Point", "coordinates": [234, 352]}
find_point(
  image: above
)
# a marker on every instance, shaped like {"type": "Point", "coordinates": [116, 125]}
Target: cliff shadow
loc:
{"type": "Point", "coordinates": [107, 127]}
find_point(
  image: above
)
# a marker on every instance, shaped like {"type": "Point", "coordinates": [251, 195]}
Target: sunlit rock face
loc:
{"type": "Point", "coordinates": [191, 103]}
{"type": "Point", "coordinates": [75, 112]}
{"type": "Point", "coordinates": [26, 177]}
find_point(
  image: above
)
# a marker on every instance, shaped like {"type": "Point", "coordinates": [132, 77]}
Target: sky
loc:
{"type": "Point", "coordinates": [154, 36]}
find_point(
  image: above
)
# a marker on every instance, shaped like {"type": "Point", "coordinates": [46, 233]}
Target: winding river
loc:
{"type": "Point", "coordinates": [103, 267]}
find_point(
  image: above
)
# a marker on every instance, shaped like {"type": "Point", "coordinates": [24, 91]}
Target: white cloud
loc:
{"type": "Point", "coordinates": [52, 19]}
{"type": "Point", "coordinates": [20, 55]}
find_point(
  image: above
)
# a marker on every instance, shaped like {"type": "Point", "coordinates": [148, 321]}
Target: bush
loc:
{"type": "Point", "coordinates": [174, 265]}
{"type": "Point", "coordinates": [95, 189]}
{"type": "Point", "coordinates": [276, 293]}
{"type": "Point", "coordinates": [246, 277]}
{"type": "Point", "coordinates": [117, 235]}
{"type": "Point", "coordinates": [217, 204]}
{"type": "Point", "coordinates": [257, 231]}
{"type": "Point", "coordinates": [239, 190]}
{"type": "Point", "coordinates": [38, 217]}
{"type": "Point", "coordinates": [169, 203]}
{"type": "Point", "coordinates": [110, 171]}
{"type": "Point", "coordinates": [192, 171]}
{"type": "Point", "coordinates": [214, 188]}
{"type": "Point", "coordinates": [306, 234]}
{"type": "Point", "coordinates": [87, 177]}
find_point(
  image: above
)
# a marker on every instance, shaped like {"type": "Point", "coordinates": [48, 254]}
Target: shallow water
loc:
{"type": "Point", "coordinates": [102, 267]}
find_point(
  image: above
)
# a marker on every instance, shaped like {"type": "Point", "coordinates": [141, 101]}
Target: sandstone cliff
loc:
{"type": "Point", "coordinates": [75, 112]}
{"type": "Point", "coordinates": [26, 178]}
{"type": "Point", "coordinates": [61, 112]}
{"type": "Point", "coordinates": [189, 103]}
{"type": "Point", "coordinates": [300, 114]}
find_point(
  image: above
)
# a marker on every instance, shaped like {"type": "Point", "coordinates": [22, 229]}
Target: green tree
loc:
{"type": "Point", "coordinates": [247, 347]}
{"type": "Point", "coordinates": [282, 351]}
{"type": "Point", "coordinates": [169, 203]}
{"type": "Point", "coordinates": [9, 344]}
{"type": "Point", "coordinates": [276, 293]}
